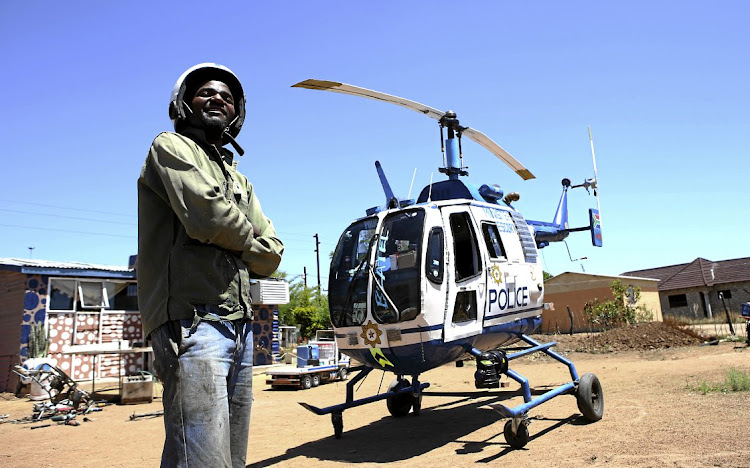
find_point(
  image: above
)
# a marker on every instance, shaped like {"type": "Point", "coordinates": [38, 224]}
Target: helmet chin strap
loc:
{"type": "Point", "coordinates": [234, 143]}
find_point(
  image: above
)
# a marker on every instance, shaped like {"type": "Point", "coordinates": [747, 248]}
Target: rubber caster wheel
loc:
{"type": "Point", "coordinates": [338, 424]}
{"type": "Point", "coordinates": [590, 397]}
{"type": "Point", "coordinates": [417, 405]}
{"type": "Point", "coordinates": [520, 438]}
{"type": "Point", "coordinates": [399, 405]}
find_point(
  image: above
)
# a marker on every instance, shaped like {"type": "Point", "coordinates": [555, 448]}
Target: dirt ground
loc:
{"type": "Point", "coordinates": [652, 418]}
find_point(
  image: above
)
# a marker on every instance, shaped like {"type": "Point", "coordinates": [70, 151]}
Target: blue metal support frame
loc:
{"type": "Point", "coordinates": [530, 402]}
{"type": "Point", "coordinates": [415, 388]}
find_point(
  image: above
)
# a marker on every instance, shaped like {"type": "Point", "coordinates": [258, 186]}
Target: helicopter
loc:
{"type": "Point", "coordinates": [417, 284]}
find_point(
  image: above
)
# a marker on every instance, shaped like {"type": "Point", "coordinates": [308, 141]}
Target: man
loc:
{"type": "Point", "coordinates": [201, 237]}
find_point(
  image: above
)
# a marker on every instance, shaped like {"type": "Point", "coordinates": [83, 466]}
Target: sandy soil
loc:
{"type": "Point", "coordinates": [652, 418]}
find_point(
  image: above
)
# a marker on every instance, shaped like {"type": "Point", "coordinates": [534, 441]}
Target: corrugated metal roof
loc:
{"type": "Point", "coordinates": [698, 273]}
{"type": "Point", "coordinates": [47, 267]}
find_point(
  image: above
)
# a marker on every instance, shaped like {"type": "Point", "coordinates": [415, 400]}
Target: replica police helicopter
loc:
{"type": "Point", "coordinates": [419, 284]}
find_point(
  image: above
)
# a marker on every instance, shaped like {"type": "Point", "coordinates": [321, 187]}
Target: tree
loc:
{"type": "Point", "coordinates": [620, 310]}
{"type": "Point", "coordinates": [307, 308]}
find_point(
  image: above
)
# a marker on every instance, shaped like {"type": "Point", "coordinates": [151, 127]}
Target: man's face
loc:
{"type": "Point", "coordinates": [213, 106]}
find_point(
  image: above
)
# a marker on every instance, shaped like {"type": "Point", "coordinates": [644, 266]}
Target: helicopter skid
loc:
{"type": "Point", "coordinates": [336, 411]}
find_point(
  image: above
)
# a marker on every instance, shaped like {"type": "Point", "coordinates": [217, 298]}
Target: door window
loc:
{"type": "Point", "coordinates": [434, 260]}
{"type": "Point", "coordinates": [465, 249]}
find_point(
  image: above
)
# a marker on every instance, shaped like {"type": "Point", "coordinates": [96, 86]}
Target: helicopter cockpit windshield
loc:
{"type": "Point", "coordinates": [347, 284]}
{"type": "Point", "coordinates": [395, 273]}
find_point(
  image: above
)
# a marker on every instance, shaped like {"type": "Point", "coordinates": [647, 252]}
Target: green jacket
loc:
{"type": "Point", "coordinates": [201, 233]}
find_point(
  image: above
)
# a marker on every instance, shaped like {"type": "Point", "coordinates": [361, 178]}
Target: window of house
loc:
{"type": "Point", "coordinates": [492, 241]}
{"type": "Point", "coordinates": [62, 294]}
{"type": "Point", "coordinates": [125, 296]}
{"type": "Point", "coordinates": [92, 295]}
{"type": "Point", "coordinates": [86, 295]}
{"type": "Point", "coordinates": [726, 293]}
{"type": "Point", "coordinates": [630, 294]}
{"type": "Point", "coordinates": [677, 300]}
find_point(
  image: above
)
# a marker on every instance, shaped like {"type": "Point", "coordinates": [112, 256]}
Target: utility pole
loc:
{"type": "Point", "coordinates": [31, 252]}
{"type": "Point", "coordinates": [317, 257]}
{"type": "Point", "coordinates": [304, 276]}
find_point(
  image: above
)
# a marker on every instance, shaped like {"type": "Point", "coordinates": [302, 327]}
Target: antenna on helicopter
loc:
{"type": "Point", "coordinates": [596, 176]}
{"type": "Point", "coordinates": [411, 186]}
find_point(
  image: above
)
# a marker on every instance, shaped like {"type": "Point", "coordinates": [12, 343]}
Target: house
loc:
{"type": "Point", "coordinates": [87, 304]}
{"type": "Point", "coordinates": [573, 290]}
{"type": "Point", "coordinates": [78, 303]}
{"type": "Point", "coordinates": [702, 288]}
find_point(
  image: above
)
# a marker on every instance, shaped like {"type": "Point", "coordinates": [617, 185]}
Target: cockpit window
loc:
{"type": "Point", "coordinates": [347, 282]}
{"type": "Point", "coordinates": [397, 270]}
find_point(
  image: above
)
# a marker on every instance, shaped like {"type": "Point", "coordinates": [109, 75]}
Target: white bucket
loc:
{"type": "Point", "coordinates": [41, 384]}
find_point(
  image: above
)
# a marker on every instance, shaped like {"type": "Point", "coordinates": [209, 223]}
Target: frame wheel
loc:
{"type": "Point", "coordinates": [305, 382]}
{"type": "Point", "coordinates": [343, 374]}
{"type": "Point", "coordinates": [590, 397]}
{"type": "Point", "coordinates": [338, 424]}
{"type": "Point", "coordinates": [520, 438]}
{"type": "Point", "coordinates": [315, 380]}
{"type": "Point", "coordinates": [399, 405]}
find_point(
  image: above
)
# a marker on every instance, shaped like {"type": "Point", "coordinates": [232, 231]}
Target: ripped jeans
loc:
{"type": "Point", "coordinates": [207, 372]}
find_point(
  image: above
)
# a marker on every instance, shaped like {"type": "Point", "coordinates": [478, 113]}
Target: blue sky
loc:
{"type": "Point", "coordinates": [664, 86]}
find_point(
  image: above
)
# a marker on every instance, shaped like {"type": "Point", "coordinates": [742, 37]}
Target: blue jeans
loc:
{"type": "Point", "coordinates": [206, 368]}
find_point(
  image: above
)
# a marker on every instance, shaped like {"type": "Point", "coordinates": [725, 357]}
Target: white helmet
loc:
{"type": "Point", "coordinates": [196, 76]}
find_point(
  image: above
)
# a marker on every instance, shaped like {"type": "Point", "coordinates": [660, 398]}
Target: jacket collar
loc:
{"type": "Point", "coordinates": [199, 136]}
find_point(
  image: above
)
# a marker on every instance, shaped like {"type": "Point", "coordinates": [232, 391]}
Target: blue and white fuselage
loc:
{"type": "Point", "coordinates": [413, 288]}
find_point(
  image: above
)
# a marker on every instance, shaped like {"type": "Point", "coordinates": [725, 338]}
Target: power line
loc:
{"type": "Point", "coordinates": [68, 208]}
{"type": "Point", "coordinates": [69, 231]}
{"type": "Point", "coordinates": [67, 217]}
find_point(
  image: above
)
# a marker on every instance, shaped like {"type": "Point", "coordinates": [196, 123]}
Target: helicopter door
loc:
{"type": "Point", "coordinates": [466, 276]}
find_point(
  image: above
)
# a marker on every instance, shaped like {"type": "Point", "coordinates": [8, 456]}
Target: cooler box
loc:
{"type": "Point", "coordinates": [308, 355]}
{"type": "Point", "coordinates": [137, 389]}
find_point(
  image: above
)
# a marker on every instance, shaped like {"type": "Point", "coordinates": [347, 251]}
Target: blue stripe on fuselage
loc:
{"type": "Point", "coordinates": [421, 357]}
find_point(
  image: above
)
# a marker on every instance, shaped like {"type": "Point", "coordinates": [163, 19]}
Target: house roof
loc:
{"type": "Point", "coordinates": [573, 281]}
{"type": "Point", "coordinates": [53, 268]}
{"type": "Point", "coordinates": [698, 273]}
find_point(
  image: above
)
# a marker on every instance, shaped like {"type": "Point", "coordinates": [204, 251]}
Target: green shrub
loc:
{"type": "Point", "coordinates": [618, 311]}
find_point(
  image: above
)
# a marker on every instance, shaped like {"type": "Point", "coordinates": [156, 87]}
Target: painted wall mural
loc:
{"type": "Point", "coordinates": [34, 309]}
{"type": "Point", "coordinates": [265, 334]}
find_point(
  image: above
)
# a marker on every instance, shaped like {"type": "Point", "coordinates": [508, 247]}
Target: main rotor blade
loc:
{"type": "Point", "coordinates": [474, 135]}
{"type": "Point", "coordinates": [497, 150]}
{"type": "Point", "coordinates": [368, 93]}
